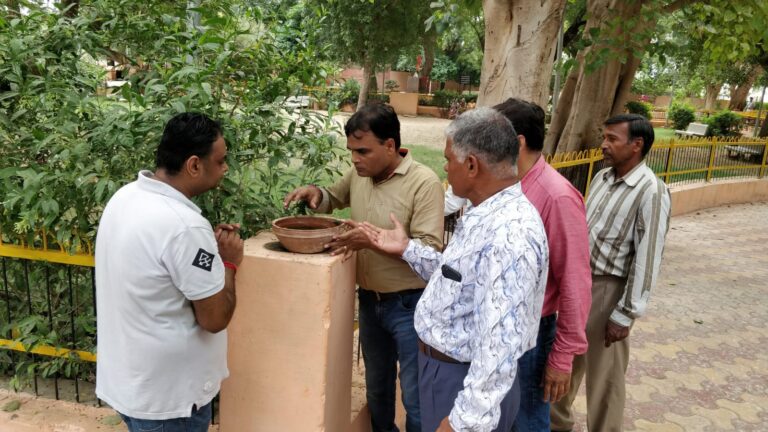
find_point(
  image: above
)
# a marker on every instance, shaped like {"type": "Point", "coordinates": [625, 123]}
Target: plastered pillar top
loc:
{"type": "Point", "coordinates": [290, 342]}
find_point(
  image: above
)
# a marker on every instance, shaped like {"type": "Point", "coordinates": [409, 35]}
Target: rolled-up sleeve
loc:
{"type": "Point", "coordinates": [571, 274]}
{"type": "Point", "coordinates": [426, 225]}
{"type": "Point", "coordinates": [650, 233]}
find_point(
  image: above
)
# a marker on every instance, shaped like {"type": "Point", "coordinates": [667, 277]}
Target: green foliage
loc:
{"type": "Point", "coordinates": [349, 92]}
{"type": "Point", "coordinates": [681, 115]}
{"type": "Point", "coordinates": [638, 107]}
{"type": "Point", "coordinates": [724, 123]}
{"type": "Point", "coordinates": [65, 148]}
{"type": "Point", "coordinates": [444, 68]}
{"type": "Point", "coordinates": [371, 32]}
{"type": "Point", "coordinates": [391, 85]}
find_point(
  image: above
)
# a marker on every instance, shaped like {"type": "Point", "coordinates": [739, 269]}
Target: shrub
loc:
{"type": "Point", "coordinates": [349, 92]}
{"type": "Point", "coordinates": [391, 85]}
{"type": "Point", "coordinates": [444, 98]}
{"type": "Point", "coordinates": [681, 114]}
{"type": "Point", "coordinates": [381, 97]}
{"type": "Point", "coordinates": [724, 123]}
{"type": "Point", "coordinates": [638, 107]}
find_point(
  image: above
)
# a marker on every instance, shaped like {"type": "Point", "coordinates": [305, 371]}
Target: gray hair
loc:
{"type": "Point", "coordinates": [490, 136]}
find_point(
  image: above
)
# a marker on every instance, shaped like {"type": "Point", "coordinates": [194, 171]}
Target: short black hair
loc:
{"type": "Point", "coordinates": [528, 120]}
{"type": "Point", "coordinates": [639, 127]}
{"type": "Point", "coordinates": [185, 135]}
{"type": "Point", "coordinates": [377, 118]}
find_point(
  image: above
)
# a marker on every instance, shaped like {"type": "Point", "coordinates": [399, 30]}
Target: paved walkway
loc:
{"type": "Point", "coordinates": [699, 359]}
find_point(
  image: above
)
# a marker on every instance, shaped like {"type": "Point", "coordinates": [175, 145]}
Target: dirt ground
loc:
{"type": "Point", "coordinates": [425, 131]}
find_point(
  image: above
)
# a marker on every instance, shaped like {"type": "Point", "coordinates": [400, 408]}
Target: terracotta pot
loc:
{"type": "Point", "coordinates": [306, 234]}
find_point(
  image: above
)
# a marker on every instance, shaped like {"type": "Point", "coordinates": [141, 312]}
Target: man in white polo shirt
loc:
{"type": "Point", "coordinates": [165, 286]}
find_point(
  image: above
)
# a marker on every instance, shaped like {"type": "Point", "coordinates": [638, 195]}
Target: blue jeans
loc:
{"type": "Point", "coordinates": [388, 337]}
{"type": "Point", "coordinates": [534, 412]}
{"type": "Point", "coordinates": [199, 422]}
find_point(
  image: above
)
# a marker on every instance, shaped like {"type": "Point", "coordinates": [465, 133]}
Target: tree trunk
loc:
{"type": "Point", "coordinates": [362, 99]}
{"type": "Point", "coordinates": [740, 92]}
{"type": "Point", "coordinates": [764, 129]}
{"type": "Point", "coordinates": [430, 41]}
{"type": "Point", "coordinates": [589, 98]}
{"type": "Point", "coordinates": [520, 42]}
{"type": "Point", "coordinates": [710, 97]}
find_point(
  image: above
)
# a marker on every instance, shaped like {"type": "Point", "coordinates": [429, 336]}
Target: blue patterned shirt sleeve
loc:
{"type": "Point", "coordinates": [424, 260]}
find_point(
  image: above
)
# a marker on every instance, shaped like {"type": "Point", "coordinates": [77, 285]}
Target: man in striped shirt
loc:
{"type": "Point", "coordinates": [628, 217]}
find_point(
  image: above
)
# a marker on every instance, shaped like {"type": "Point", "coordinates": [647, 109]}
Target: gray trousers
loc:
{"type": "Point", "coordinates": [604, 367]}
{"type": "Point", "coordinates": [441, 382]}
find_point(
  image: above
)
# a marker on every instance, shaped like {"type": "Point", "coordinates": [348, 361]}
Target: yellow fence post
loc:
{"type": "Point", "coordinates": [765, 155]}
{"type": "Point", "coordinates": [712, 151]}
{"type": "Point", "coordinates": [668, 168]}
{"type": "Point", "coordinates": [589, 172]}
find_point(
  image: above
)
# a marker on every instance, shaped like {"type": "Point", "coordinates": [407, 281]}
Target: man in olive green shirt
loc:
{"type": "Point", "coordinates": [385, 180]}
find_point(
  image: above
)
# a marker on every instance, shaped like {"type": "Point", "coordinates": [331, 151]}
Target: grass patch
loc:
{"type": "Point", "coordinates": [430, 157]}
{"type": "Point", "coordinates": [663, 134]}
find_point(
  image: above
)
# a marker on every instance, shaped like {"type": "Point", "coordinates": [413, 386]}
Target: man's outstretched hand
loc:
{"type": "Point", "coordinates": [392, 242]}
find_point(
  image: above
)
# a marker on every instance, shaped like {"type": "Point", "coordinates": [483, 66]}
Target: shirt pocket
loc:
{"type": "Point", "coordinates": [402, 212]}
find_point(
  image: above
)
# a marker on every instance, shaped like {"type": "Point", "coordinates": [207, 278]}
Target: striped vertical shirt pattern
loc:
{"type": "Point", "coordinates": [628, 220]}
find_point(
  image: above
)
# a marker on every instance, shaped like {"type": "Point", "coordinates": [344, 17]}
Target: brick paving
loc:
{"type": "Point", "coordinates": [699, 359]}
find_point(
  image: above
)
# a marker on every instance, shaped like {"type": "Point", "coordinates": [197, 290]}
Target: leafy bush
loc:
{"type": "Point", "coordinates": [380, 97]}
{"type": "Point", "coordinates": [470, 98]}
{"type": "Point", "coordinates": [391, 85]}
{"type": "Point", "coordinates": [65, 150]}
{"type": "Point", "coordinates": [444, 98]}
{"type": "Point", "coordinates": [681, 115]}
{"type": "Point", "coordinates": [350, 92]}
{"type": "Point", "coordinates": [724, 123]}
{"type": "Point", "coordinates": [638, 107]}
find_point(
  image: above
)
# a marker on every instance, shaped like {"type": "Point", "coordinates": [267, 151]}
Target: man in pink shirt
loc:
{"type": "Point", "coordinates": [545, 370]}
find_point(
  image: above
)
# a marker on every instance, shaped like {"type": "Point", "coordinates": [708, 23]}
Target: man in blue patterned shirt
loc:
{"type": "Point", "coordinates": [480, 311]}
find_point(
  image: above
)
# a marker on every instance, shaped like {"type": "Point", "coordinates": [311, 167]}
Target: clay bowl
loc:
{"type": "Point", "coordinates": [306, 234]}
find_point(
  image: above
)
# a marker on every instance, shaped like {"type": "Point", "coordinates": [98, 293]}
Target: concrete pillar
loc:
{"type": "Point", "coordinates": [290, 343]}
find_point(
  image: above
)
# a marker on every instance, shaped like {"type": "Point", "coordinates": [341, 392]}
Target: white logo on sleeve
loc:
{"type": "Point", "coordinates": [203, 260]}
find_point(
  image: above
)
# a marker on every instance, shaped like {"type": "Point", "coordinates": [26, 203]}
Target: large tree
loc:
{"type": "Point", "coordinates": [520, 42]}
{"type": "Point", "coordinates": [619, 32]}
{"type": "Point", "coordinates": [371, 33]}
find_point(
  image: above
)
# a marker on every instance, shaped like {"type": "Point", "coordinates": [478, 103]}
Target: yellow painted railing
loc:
{"type": "Point", "coordinates": [673, 152]}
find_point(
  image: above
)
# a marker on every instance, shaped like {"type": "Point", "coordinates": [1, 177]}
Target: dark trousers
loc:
{"type": "Point", "coordinates": [534, 411]}
{"type": "Point", "coordinates": [197, 422]}
{"type": "Point", "coordinates": [388, 337]}
{"type": "Point", "coordinates": [440, 384]}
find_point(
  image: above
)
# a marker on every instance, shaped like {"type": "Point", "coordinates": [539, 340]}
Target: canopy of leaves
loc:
{"type": "Point", "coordinates": [66, 147]}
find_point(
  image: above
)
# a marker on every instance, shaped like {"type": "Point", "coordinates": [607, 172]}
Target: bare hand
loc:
{"type": "Point", "coordinates": [393, 241]}
{"type": "Point", "coordinates": [311, 194]}
{"type": "Point", "coordinates": [350, 241]}
{"type": "Point", "coordinates": [445, 426]}
{"type": "Point", "coordinates": [229, 242]}
{"type": "Point", "coordinates": [556, 384]}
{"type": "Point", "coordinates": [614, 333]}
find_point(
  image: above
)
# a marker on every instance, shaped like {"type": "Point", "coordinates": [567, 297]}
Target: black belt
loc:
{"type": "Point", "coordinates": [390, 295]}
{"type": "Point", "coordinates": [437, 355]}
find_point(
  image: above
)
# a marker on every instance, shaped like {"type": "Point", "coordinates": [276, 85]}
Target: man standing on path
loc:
{"type": "Point", "coordinates": [545, 370]}
{"type": "Point", "coordinates": [165, 286]}
{"type": "Point", "coordinates": [481, 309]}
{"type": "Point", "coordinates": [628, 217]}
{"type": "Point", "coordinates": [385, 179]}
